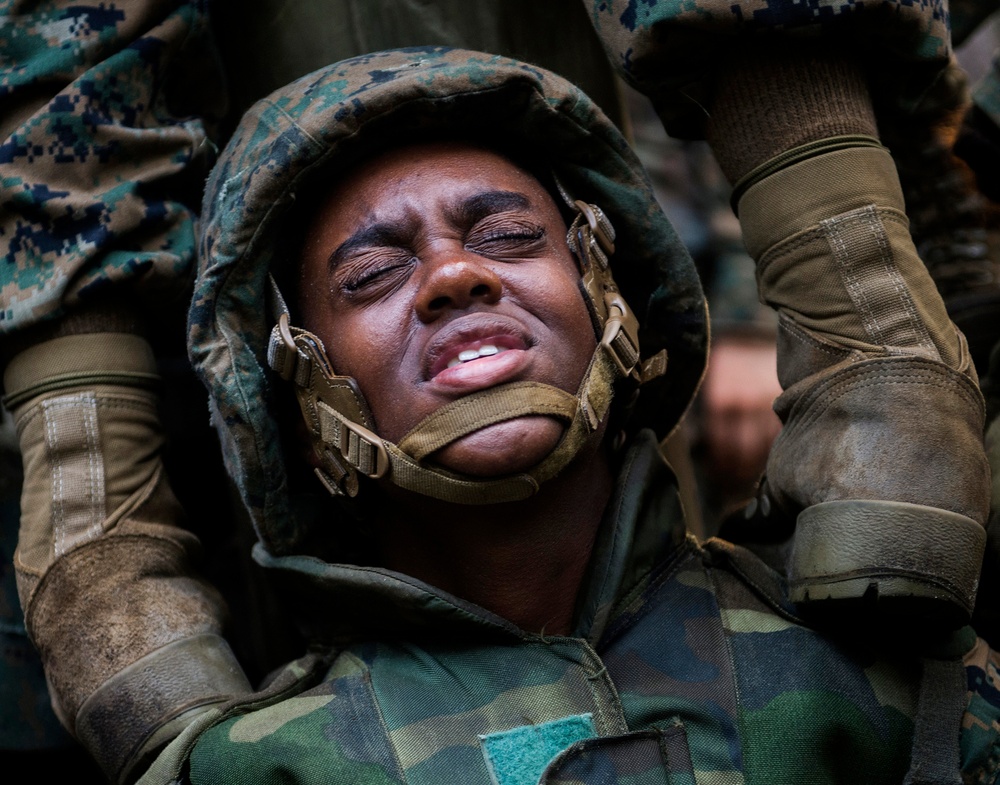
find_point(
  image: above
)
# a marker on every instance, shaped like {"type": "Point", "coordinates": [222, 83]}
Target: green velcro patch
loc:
{"type": "Point", "coordinates": [519, 756]}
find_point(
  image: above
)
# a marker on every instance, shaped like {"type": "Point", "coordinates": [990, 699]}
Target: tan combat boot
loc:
{"type": "Point", "coordinates": [881, 459]}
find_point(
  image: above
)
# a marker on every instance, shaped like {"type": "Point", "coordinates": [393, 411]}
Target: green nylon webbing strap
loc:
{"type": "Point", "coordinates": [441, 484]}
{"type": "Point", "coordinates": [484, 408]}
{"type": "Point", "coordinates": [585, 411]}
{"type": "Point", "coordinates": [595, 395]}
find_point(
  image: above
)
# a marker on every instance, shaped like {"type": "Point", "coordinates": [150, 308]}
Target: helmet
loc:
{"type": "Point", "coordinates": [334, 117]}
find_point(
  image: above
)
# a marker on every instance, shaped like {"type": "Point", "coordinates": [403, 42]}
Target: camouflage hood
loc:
{"type": "Point", "coordinates": [334, 117]}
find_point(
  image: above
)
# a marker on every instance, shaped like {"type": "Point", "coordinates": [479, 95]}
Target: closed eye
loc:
{"type": "Point", "coordinates": [374, 270]}
{"type": "Point", "coordinates": [505, 236]}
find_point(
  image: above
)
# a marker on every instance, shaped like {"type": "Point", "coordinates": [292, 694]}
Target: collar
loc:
{"type": "Point", "coordinates": [643, 526]}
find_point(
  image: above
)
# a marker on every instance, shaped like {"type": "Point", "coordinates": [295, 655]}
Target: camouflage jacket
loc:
{"type": "Point", "coordinates": [686, 665]}
{"type": "Point", "coordinates": [103, 109]}
{"type": "Point", "coordinates": [104, 106]}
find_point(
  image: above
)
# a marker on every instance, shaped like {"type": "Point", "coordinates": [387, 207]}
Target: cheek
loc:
{"type": "Point", "coordinates": [358, 346]}
{"type": "Point", "coordinates": [368, 345]}
{"type": "Point", "coordinates": [554, 297]}
{"type": "Point", "coordinates": [571, 316]}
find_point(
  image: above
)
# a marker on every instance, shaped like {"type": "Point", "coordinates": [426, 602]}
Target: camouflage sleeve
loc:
{"type": "Point", "coordinates": [669, 49]}
{"type": "Point", "coordinates": [103, 150]}
{"type": "Point", "coordinates": [980, 738]}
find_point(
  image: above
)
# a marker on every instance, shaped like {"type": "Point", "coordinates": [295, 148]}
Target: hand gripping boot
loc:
{"type": "Point", "coordinates": [129, 633]}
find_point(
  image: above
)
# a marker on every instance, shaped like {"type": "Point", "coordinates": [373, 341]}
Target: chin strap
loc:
{"type": "Point", "coordinates": [341, 427]}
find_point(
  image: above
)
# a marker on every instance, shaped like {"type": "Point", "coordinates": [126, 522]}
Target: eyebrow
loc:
{"type": "Point", "coordinates": [467, 212]}
{"type": "Point", "coordinates": [480, 205]}
{"type": "Point", "coordinates": [365, 237]}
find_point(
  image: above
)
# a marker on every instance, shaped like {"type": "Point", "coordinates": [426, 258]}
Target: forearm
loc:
{"type": "Point", "coordinates": [670, 51]}
{"type": "Point", "coordinates": [103, 152]}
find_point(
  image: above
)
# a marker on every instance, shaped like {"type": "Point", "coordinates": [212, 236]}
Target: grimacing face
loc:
{"type": "Point", "coordinates": [437, 270]}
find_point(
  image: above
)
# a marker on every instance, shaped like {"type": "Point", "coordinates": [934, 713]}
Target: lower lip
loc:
{"type": "Point", "coordinates": [483, 372]}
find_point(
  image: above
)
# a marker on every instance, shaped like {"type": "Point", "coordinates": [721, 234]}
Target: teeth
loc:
{"type": "Point", "coordinates": [487, 350]}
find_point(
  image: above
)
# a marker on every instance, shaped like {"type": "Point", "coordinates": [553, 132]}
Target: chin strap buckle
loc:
{"type": "Point", "coordinates": [592, 238]}
{"type": "Point", "coordinates": [361, 448]}
{"type": "Point", "coordinates": [291, 352]}
{"type": "Point", "coordinates": [621, 335]}
{"type": "Point", "coordinates": [343, 447]}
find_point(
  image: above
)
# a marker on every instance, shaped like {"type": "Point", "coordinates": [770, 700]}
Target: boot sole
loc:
{"type": "Point", "coordinates": [905, 559]}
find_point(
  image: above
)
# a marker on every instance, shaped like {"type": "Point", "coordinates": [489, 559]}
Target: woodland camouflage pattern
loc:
{"type": "Point", "coordinates": [103, 105]}
{"type": "Point", "coordinates": [686, 665]}
{"type": "Point", "coordinates": [688, 661]}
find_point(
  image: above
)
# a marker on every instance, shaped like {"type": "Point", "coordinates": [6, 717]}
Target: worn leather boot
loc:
{"type": "Point", "coordinates": [129, 634]}
{"type": "Point", "coordinates": [881, 454]}
{"type": "Point", "coordinates": [880, 461]}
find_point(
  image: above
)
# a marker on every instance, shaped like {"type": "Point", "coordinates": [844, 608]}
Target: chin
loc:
{"type": "Point", "coordinates": [505, 448]}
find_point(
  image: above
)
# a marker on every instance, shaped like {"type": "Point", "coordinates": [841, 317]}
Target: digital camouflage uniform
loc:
{"type": "Point", "coordinates": [104, 144]}
{"type": "Point", "coordinates": [686, 663]}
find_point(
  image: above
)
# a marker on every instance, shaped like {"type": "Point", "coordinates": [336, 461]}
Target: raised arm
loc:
{"type": "Point", "coordinates": [103, 156]}
{"type": "Point", "coordinates": [881, 458]}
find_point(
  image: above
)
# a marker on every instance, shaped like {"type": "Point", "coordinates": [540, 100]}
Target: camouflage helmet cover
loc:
{"type": "Point", "coordinates": [340, 114]}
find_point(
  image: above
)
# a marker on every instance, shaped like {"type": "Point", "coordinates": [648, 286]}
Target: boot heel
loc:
{"type": "Point", "coordinates": [919, 561]}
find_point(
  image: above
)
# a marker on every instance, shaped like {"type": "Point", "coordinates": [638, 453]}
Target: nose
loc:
{"type": "Point", "coordinates": [456, 283]}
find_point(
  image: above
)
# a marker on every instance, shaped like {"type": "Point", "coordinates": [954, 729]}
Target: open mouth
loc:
{"type": "Point", "coordinates": [473, 352]}
{"type": "Point", "coordinates": [478, 362]}
{"type": "Point", "coordinates": [468, 355]}
{"type": "Point", "coordinates": [473, 340]}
